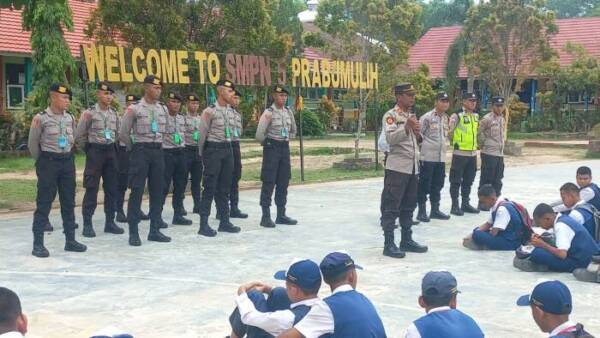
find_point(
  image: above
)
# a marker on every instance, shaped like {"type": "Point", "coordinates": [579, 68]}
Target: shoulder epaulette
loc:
{"type": "Point", "coordinates": [270, 109]}
{"type": "Point", "coordinates": [211, 105]}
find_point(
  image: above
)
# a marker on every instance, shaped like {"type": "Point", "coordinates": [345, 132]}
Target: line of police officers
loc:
{"type": "Point", "coordinates": [153, 142]}
{"type": "Point", "coordinates": [415, 165]}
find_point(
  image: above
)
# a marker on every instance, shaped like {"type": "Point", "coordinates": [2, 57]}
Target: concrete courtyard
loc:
{"type": "Point", "coordinates": [186, 288]}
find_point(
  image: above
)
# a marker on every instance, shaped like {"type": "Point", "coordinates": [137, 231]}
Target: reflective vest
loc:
{"type": "Point", "coordinates": [465, 133]}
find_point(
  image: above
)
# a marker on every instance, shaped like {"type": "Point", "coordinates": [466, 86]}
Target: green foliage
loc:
{"type": "Point", "coordinates": [574, 8]}
{"type": "Point", "coordinates": [508, 39]}
{"type": "Point", "coordinates": [311, 124]}
{"type": "Point", "coordinates": [314, 40]}
{"type": "Point", "coordinates": [442, 13]}
{"type": "Point", "coordinates": [455, 57]}
{"type": "Point", "coordinates": [425, 93]}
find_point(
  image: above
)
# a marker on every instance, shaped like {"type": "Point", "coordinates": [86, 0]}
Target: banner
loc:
{"type": "Point", "coordinates": [119, 64]}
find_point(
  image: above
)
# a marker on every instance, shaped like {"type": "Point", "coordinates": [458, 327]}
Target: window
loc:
{"type": "Point", "coordinates": [15, 96]}
{"type": "Point", "coordinates": [575, 97]}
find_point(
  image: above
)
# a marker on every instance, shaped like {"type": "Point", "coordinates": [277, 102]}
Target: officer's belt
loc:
{"type": "Point", "coordinates": [191, 148]}
{"type": "Point", "coordinates": [235, 143]}
{"type": "Point", "coordinates": [149, 145]}
{"type": "Point", "coordinates": [277, 143]}
{"type": "Point", "coordinates": [220, 145]}
{"type": "Point", "coordinates": [110, 146]}
{"type": "Point", "coordinates": [56, 156]}
{"type": "Point", "coordinates": [174, 150]}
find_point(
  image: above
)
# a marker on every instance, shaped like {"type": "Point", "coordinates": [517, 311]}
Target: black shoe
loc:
{"type": "Point", "coordinates": [205, 229]}
{"type": "Point", "coordinates": [74, 246]}
{"type": "Point", "coordinates": [183, 212]}
{"type": "Point", "coordinates": [180, 220]}
{"type": "Point", "coordinates": [237, 213]}
{"type": "Point", "coordinates": [585, 275]}
{"type": "Point", "coordinates": [267, 222]}
{"type": "Point", "coordinates": [88, 231]}
{"type": "Point", "coordinates": [144, 217]}
{"type": "Point", "coordinates": [422, 214]}
{"type": "Point", "coordinates": [134, 240]}
{"type": "Point", "coordinates": [282, 218]}
{"type": "Point", "coordinates": [226, 226]}
{"type": "Point", "coordinates": [157, 236]}
{"type": "Point", "coordinates": [162, 224]}
{"type": "Point", "coordinates": [48, 227]}
{"type": "Point", "coordinates": [389, 247]}
{"type": "Point", "coordinates": [39, 250]}
{"type": "Point", "coordinates": [409, 245]}
{"type": "Point", "coordinates": [455, 210]}
{"type": "Point", "coordinates": [121, 218]}
{"type": "Point", "coordinates": [437, 214]}
{"type": "Point", "coordinates": [76, 226]}
{"type": "Point", "coordinates": [111, 228]}
{"type": "Point", "coordinates": [467, 208]}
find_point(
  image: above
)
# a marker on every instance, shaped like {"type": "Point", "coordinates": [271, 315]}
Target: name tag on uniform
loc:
{"type": "Point", "coordinates": [227, 133]}
{"type": "Point", "coordinates": [154, 126]}
{"type": "Point", "coordinates": [108, 134]}
{"type": "Point", "coordinates": [62, 141]}
{"type": "Point", "coordinates": [284, 132]}
{"type": "Point", "coordinates": [235, 132]}
{"type": "Point", "coordinates": [177, 138]}
{"type": "Point", "coordinates": [196, 136]}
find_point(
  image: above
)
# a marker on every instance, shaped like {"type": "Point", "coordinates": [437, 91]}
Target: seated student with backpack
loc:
{"type": "Point", "coordinates": [579, 210]}
{"type": "Point", "coordinates": [257, 317]}
{"type": "Point", "coordinates": [574, 245]}
{"type": "Point", "coordinates": [508, 226]}
{"type": "Point", "coordinates": [588, 192]}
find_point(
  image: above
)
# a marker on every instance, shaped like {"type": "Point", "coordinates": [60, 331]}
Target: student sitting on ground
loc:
{"type": "Point", "coordinates": [507, 227]}
{"type": "Point", "coordinates": [574, 245]}
{"type": "Point", "coordinates": [13, 323]}
{"type": "Point", "coordinates": [256, 316]}
{"type": "Point", "coordinates": [589, 192]}
{"type": "Point", "coordinates": [438, 298]}
{"type": "Point", "coordinates": [551, 305]}
{"type": "Point", "coordinates": [579, 210]}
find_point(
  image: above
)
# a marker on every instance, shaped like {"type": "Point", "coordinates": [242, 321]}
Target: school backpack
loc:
{"type": "Point", "coordinates": [527, 221]}
{"type": "Point", "coordinates": [596, 214]}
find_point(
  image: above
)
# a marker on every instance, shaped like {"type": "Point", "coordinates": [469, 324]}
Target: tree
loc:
{"type": "Point", "coordinates": [574, 8]}
{"type": "Point", "coordinates": [442, 13]}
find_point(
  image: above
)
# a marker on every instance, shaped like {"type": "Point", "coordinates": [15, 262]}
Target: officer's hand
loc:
{"type": "Point", "coordinates": [537, 241]}
{"type": "Point", "coordinates": [417, 128]}
{"type": "Point", "coordinates": [411, 122]}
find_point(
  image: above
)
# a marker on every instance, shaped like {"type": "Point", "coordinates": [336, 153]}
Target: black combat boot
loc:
{"type": "Point", "coordinates": [180, 220]}
{"type": "Point", "coordinates": [226, 226]}
{"type": "Point", "coordinates": [467, 208]}
{"type": "Point", "coordinates": [266, 220]}
{"type": "Point", "coordinates": [408, 244]}
{"type": "Point", "coordinates": [205, 229]}
{"type": "Point", "coordinates": [183, 212]}
{"type": "Point", "coordinates": [156, 236]}
{"type": "Point", "coordinates": [236, 212]}
{"type": "Point", "coordinates": [88, 228]}
{"type": "Point", "coordinates": [422, 214]}
{"type": "Point", "coordinates": [283, 219]}
{"type": "Point", "coordinates": [455, 210]}
{"type": "Point", "coordinates": [134, 236]}
{"type": "Point", "coordinates": [161, 224]}
{"type": "Point", "coordinates": [112, 228]}
{"type": "Point", "coordinates": [71, 244]}
{"type": "Point", "coordinates": [39, 250]}
{"type": "Point", "coordinates": [143, 216]}
{"type": "Point", "coordinates": [389, 247]}
{"type": "Point", "coordinates": [121, 217]}
{"type": "Point", "coordinates": [436, 213]}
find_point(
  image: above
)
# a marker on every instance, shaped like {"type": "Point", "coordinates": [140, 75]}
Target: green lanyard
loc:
{"type": "Point", "coordinates": [196, 134]}
{"type": "Point", "coordinates": [62, 139]}
{"type": "Point", "coordinates": [227, 130]}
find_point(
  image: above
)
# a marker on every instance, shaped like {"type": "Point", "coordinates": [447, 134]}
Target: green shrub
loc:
{"type": "Point", "coordinates": [311, 124]}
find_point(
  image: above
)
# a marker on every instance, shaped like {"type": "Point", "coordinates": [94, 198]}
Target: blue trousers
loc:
{"type": "Point", "coordinates": [544, 257]}
{"type": "Point", "coordinates": [497, 242]}
{"type": "Point", "coordinates": [277, 300]}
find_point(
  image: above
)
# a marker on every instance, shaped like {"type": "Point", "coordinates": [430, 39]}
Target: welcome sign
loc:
{"type": "Point", "coordinates": [119, 64]}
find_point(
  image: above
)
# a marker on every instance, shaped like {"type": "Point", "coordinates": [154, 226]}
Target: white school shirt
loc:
{"type": "Point", "coordinates": [13, 334]}
{"type": "Point", "coordinates": [413, 332]}
{"type": "Point", "coordinates": [563, 233]}
{"type": "Point", "coordinates": [562, 327]}
{"type": "Point", "coordinates": [502, 215]}
{"type": "Point", "coordinates": [586, 194]}
{"type": "Point", "coordinates": [319, 320]}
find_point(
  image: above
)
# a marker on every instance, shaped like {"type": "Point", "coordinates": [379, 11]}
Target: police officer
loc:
{"type": "Point", "coordinates": [123, 164]}
{"type": "Point", "coordinates": [142, 130]}
{"type": "Point", "coordinates": [463, 136]}
{"type": "Point", "coordinates": [175, 166]}
{"type": "Point", "coordinates": [490, 138]}
{"type": "Point", "coordinates": [434, 131]}
{"type": "Point", "coordinates": [50, 143]}
{"type": "Point", "coordinates": [96, 134]}
{"type": "Point", "coordinates": [217, 124]}
{"type": "Point", "coordinates": [192, 156]}
{"type": "Point", "coordinates": [276, 126]}
{"type": "Point", "coordinates": [399, 196]}
{"type": "Point", "coordinates": [234, 194]}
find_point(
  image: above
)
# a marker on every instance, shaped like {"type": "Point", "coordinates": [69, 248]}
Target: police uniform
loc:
{"type": "Point", "coordinates": [490, 138]}
{"type": "Point", "coordinates": [432, 171]}
{"type": "Point", "coordinates": [399, 196]}
{"type": "Point", "coordinates": [275, 128]}
{"type": "Point", "coordinates": [50, 143]}
{"type": "Point", "coordinates": [96, 134]}
{"type": "Point", "coordinates": [214, 145]}
{"type": "Point", "coordinates": [234, 194]}
{"type": "Point", "coordinates": [142, 130]}
{"type": "Point", "coordinates": [175, 164]}
{"type": "Point", "coordinates": [193, 160]}
{"type": "Point", "coordinates": [463, 131]}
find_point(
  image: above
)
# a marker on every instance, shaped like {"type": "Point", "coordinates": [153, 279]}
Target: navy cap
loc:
{"type": "Point", "coordinates": [337, 262]}
{"type": "Point", "coordinates": [105, 87]}
{"type": "Point", "coordinates": [131, 97]}
{"type": "Point", "coordinates": [442, 96]}
{"type": "Point", "coordinates": [469, 96]}
{"type": "Point", "coordinates": [439, 284]}
{"type": "Point", "coordinates": [193, 98]}
{"type": "Point", "coordinates": [152, 79]}
{"type": "Point", "coordinates": [280, 89]}
{"type": "Point", "coordinates": [226, 83]}
{"type": "Point", "coordinates": [304, 273]}
{"type": "Point", "coordinates": [551, 296]}
{"type": "Point", "coordinates": [498, 100]}
{"type": "Point", "coordinates": [175, 96]}
{"type": "Point", "coordinates": [403, 88]}
{"type": "Point", "coordinates": [60, 88]}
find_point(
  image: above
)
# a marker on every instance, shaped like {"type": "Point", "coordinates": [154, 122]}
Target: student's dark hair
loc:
{"type": "Point", "coordinates": [312, 291]}
{"type": "Point", "coordinates": [486, 190]}
{"type": "Point", "coordinates": [541, 210]}
{"type": "Point", "coordinates": [570, 187]}
{"type": "Point", "coordinates": [335, 278]}
{"type": "Point", "coordinates": [584, 171]}
{"type": "Point", "coordinates": [437, 301]}
{"type": "Point", "coordinates": [10, 309]}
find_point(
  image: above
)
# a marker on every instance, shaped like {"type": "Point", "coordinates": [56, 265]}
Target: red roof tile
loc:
{"type": "Point", "coordinates": [432, 48]}
{"type": "Point", "coordinates": [14, 40]}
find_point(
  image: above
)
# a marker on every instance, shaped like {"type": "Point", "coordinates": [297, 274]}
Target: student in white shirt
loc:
{"type": "Point", "coordinates": [13, 323]}
{"type": "Point", "coordinates": [578, 209]}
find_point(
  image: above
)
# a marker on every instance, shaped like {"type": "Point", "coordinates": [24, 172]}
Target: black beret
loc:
{"type": "Point", "coordinates": [442, 96]}
{"type": "Point", "coordinates": [131, 97]}
{"type": "Point", "coordinates": [498, 100]}
{"type": "Point", "coordinates": [193, 98]}
{"type": "Point", "coordinates": [404, 88]}
{"type": "Point", "coordinates": [60, 88]}
{"type": "Point", "coordinates": [280, 89]}
{"type": "Point", "coordinates": [226, 83]}
{"type": "Point", "coordinates": [104, 86]}
{"type": "Point", "coordinates": [469, 96]}
{"type": "Point", "coordinates": [175, 96]}
{"type": "Point", "coordinates": [152, 79]}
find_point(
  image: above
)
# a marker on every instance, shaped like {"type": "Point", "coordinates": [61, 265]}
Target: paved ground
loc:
{"type": "Point", "coordinates": [186, 288]}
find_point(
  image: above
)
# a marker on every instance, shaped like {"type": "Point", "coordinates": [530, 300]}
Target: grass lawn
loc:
{"type": "Point", "coordinates": [15, 192]}
{"type": "Point", "coordinates": [17, 164]}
